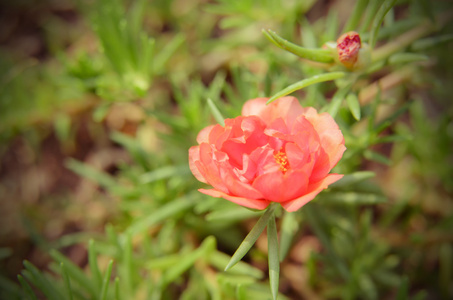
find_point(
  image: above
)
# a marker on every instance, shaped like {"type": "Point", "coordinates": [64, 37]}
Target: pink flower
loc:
{"type": "Point", "coordinates": [279, 152]}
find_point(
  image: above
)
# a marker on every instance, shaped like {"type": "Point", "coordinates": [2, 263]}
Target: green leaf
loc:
{"type": "Point", "coordinates": [27, 288]}
{"type": "Point", "coordinates": [331, 30]}
{"type": "Point", "coordinates": [306, 82]}
{"type": "Point", "coordinates": [187, 260]}
{"type": "Point", "coordinates": [165, 54]}
{"type": "Point", "coordinates": [92, 262]}
{"type": "Point", "coordinates": [337, 99]}
{"type": "Point", "coordinates": [41, 282]}
{"type": "Point", "coordinates": [385, 7]}
{"type": "Point", "coordinates": [382, 125]}
{"type": "Point", "coordinates": [219, 260]}
{"type": "Point", "coordinates": [319, 55]}
{"type": "Point", "coordinates": [101, 111]}
{"type": "Point", "coordinates": [308, 36]}
{"type": "Point", "coordinates": [251, 238]}
{"type": "Point", "coordinates": [106, 281]}
{"type": "Point", "coordinates": [354, 105]}
{"type": "Point", "coordinates": [403, 290]}
{"type": "Point", "coordinates": [356, 15]}
{"type": "Point", "coordinates": [353, 178]}
{"type": "Point", "coordinates": [371, 10]}
{"type": "Point", "coordinates": [314, 218]}
{"type": "Point", "coordinates": [372, 155]}
{"type": "Point", "coordinates": [67, 282]}
{"type": "Point", "coordinates": [273, 258]}
{"type": "Point", "coordinates": [75, 273]}
{"type": "Point", "coordinates": [216, 113]}
{"type": "Point", "coordinates": [90, 172]}
{"type": "Point", "coordinates": [164, 172]}
{"type": "Point", "coordinates": [126, 266]}
{"type": "Point", "coordinates": [426, 43]}
{"type": "Point", "coordinates": [404, 58]}
{"type": "Point", "coordinates": [63, 127]}
{"type": "Point", "coordinates": [351, 198]}
{"type": "Point", "coordinates": [117, 289]}
{"type": "Point", "coordinates": [289, 228]}
{"type": "Point", "coordinates": [168, 210]}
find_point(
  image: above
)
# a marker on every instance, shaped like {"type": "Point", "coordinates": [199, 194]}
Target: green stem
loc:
{"type": "Point", "coordinates": [273, 256]}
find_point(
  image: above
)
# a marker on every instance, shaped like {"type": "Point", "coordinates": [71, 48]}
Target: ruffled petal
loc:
{"type": "Point", "coordinates": [331, 138]}
{"type": "Point", "coordinates": [287, 108]}
{"type": "Point", "coordinates": [312, 191]}
{"type": "Point", "coordinates": [209, 168]}
{"type": "Point", "coordinates": [279, 187]}
{"type": "Point", "coordinates": [240, 189]}
{"type": "Point", "coordinates": [247, 202]}
{"type": "Point", "coordinates": [194, 156]}
{"type": "Point", "coordinates": [254, 106]}
{"type": "Point", "coordinates": [203, 135]}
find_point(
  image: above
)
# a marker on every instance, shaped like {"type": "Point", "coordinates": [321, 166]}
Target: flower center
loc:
{"type": "Point", "coordinates": [282, 160]}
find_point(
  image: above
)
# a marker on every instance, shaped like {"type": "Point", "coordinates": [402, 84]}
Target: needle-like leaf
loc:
{"type": "Point", "coordinates": [306, 82]}
{"type": "Point", "coordinates": [251, 238]}
{"type": "Point", "coordinates": [319, 55]}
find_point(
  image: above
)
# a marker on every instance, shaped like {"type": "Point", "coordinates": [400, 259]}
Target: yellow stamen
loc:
{"type": "Point", "coordinates": [282, 160]}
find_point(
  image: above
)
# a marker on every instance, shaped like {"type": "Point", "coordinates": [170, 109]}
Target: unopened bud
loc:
{"type": "Point", "coordinates": [348, 46]}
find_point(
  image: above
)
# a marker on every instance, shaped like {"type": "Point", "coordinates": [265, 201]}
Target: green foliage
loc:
{"type": "Point", "coordinates": [188, 64]}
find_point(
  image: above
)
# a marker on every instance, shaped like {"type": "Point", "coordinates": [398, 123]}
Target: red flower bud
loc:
{"type": "Point", "coordinates": [348, 46]}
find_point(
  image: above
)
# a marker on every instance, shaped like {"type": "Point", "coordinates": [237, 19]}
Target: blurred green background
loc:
{"type": "Point", "coordinates": [100, 101]}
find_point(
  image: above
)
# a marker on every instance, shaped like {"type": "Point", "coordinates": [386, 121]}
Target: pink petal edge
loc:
{"type": "Point", "coordinates": [250, 203]}
{"type": "Point", "coordinates": [194, 155]}
{"type": "Point", "coordinates": [297, 203]}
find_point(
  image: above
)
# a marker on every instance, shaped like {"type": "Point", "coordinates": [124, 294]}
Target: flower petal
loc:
{"type": "Point", "coordinates": [279, 187]}
{"type": "Point", "coordinates": [313, 190]}
{"type": "Point", "coordinates": [247, 202]}
{"type": "Point", "coordinates": [287, 108]}
{"type": "Point", "coordinates": [203, 135]}
{"type": "Point", "coordinates": [331, 138]}
{"type": "Point", "coordinates": [194, 156]}
{"type": "Point", "coordinates": [211, 170]}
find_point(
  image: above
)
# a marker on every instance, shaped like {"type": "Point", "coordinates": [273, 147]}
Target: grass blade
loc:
{"type": "Point", "coordinates": [216, 112]}
{"type": "Point", "coordinates": [27, 288]}
{"type": "Point", "coordinates": [306, 82]}
{"type": "Point", "coordinates": [67, 282]}
{"type": "Point", "coordinates": [356, 15]}
{"type": "Point", "coordinates": [41, 282]}
{"type": "Point", "coordinates": [75, 273]}
{"type": "Point", "coordinates": [106, 281]}
{"type": "Point", "coordinates": [92, 261]}
{"type": "Point", "coordinates": [386, 6]}
{"type": "Point", "coordinates": [166, 211]}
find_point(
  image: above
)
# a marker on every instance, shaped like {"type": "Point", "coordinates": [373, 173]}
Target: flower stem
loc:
{"type": "Point", "coordinates": [273, 256]}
